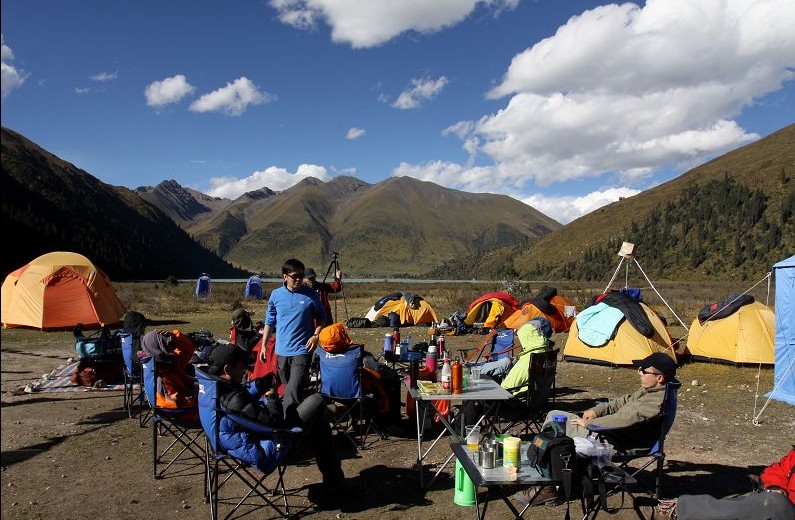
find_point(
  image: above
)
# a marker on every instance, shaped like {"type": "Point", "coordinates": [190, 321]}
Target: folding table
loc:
{"type": "Point", "coordinates": [489, 392]}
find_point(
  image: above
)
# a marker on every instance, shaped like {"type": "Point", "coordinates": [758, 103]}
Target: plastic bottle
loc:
{"type": "Point", "coordinates": [388, 343]}
{"type": "Point", "coordinates": [457, 377]}
{"type": "Point", "coordinates": [559, 425]}
{"type": "Point", "coordinates": [447, 376]}
{"type": "Point", "coordinates": [430, 362]}
{"type": "Point", "coordinates": [440, 346]}
{"type": "Point", "coordinates": [408, 341]}
{"type": "Point", "coordinates": [396, 336]}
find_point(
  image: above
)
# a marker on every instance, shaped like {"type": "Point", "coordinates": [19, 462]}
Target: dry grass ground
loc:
{"type": "Point", "coordinates": [77, 455]}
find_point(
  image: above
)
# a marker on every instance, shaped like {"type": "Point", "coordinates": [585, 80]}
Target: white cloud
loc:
{"type": "Point", "coordinates": [167, 91]}
{"type": "Point", "coordinates": [627, 90]}
{"type": "Point", "coordinates": [273, 177]}
{"type": "Point", "coordinates": [82, 90]}
{"type": "Point", "coordinates": [564, 209]}
{"type": "Point", "coordinates": [368, 23]}
{"type": "Point", "coordinates": [104, 76]}
{"type": "Point", "coordinates": [343, 171]}
{"type": "Point", "coordinates": [355, 133]}
{"type": "Point", "coordinates": [420, 90]}
{"type": "Point", "coordinates": [10, 77]}
{"type": "Point", "coordinates": [233, 99]}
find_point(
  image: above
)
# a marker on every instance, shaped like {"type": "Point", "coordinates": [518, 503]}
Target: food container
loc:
{"type": "Point", "coordinates": [510, 451]}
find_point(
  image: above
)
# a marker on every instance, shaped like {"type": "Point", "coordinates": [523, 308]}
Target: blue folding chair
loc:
{"type": "Point", "coordinates": [502, 345]}
{"type": "Point", "coordinates": [341, 383]}
{"type": "Point", "coordinates": [211, 413]}
{"type": "Point", "coordinates": [134, 398]}
{"type": "Point", "coordinates": [626, 456]}
{"type": "Point", "coordinates": [180, 423]}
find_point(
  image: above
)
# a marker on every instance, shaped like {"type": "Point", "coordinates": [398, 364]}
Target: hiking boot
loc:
{"type": "Point", "coordinates": [548, 496]}
{"type": "Point", "coordinates": [666, 510]}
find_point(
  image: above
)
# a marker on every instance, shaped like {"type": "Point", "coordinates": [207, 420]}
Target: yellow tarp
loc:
{"type": "Point", "coordinates": [747, 336]}
{"type": "Point", "coordinates": [424, 313]}
{"type": "Point", "coordinates": [59, 290]}
{"type": "Point", "coordinates": [627, 343]}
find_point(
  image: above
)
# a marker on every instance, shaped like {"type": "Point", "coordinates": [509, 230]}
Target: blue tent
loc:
{"type": "Point", "coordinates": [204, 287]}
{"type": "Point", "coordinates": [784, 369]}
{"type": "Point", "coordinates": [254, 287]}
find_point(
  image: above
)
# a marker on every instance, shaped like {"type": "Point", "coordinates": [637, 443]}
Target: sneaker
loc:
{"type": "Point", "coordinates": [547, 496]}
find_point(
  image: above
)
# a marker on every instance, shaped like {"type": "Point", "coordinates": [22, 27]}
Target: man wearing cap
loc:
{"type": "Point", "coordinates": [259, 402]}
{"type": "Point", "coordinates": [633, 419]}
{"type": "Point", "coordinates": [297, 311]}
{"type": "Point", "coordinates": [324, 289]}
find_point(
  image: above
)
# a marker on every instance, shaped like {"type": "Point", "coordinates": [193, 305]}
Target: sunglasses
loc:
{"type": "Point", "coordinates": [296, 276]}
{"type": "Point", "coordinates": [646, 372]}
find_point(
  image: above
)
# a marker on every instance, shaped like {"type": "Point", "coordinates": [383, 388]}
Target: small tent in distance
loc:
{"type": "Point", "coordinates": [557, 309]}
{"type": "Point", "coordinates": [784, 367]}
{"type": "Point", "coordinates": [734, 330]}
{"type": "Point", "coordinates": [411, 309]}
{"type": "Point", "coordinates": [491, 309]}
{"type": "Point", "coordinates": [204, 286]}
{"type": "Point", "coordinates": [253, 287]}
{"type": "Point", "coordinates": [59, 290]}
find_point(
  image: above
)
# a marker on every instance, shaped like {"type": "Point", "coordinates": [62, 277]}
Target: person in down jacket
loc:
{"type": "Point", "coordinates": [258, 401]}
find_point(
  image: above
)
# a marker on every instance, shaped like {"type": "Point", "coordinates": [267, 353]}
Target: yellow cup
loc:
{"type": "Point", "coordinates": [510, 451]}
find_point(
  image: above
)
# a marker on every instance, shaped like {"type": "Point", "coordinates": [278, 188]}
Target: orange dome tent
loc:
{"type": "Point", "coordinates": [548, 304]}
{"type": "Point", "coordinates": [59, 290]}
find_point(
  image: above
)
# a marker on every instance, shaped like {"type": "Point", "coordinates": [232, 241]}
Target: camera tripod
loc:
{"type": "Point", "coordinates": [335, 265]}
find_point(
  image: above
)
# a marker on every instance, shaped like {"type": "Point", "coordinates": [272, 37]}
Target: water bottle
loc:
{"type": "Point", "coordinates": [396, 336]}
{"type": "Point", "coordinates": [408, 341]}
{"type": "Point", "coordinates": [457, 377]}
{"type": "Point", "coordinates": [440, 346]}
{"type": "Point", "coordinates": [447, 376]}
{"type": "Point", "coordinates": [430, 362]}
{"type": "Point", "coordinates": [559, 425]}
{"type": "Point", "coordinates": [388, 343]}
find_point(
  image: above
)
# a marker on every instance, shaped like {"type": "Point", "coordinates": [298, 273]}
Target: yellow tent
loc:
{"type": "Point", "coordinates": [411, 308]}
{"type": "Point", "coordinates": [745, 336]}
{"type": "Point", "coordinates": [625, 345]}
{"type": "Point", "coordinates": [59, 290]}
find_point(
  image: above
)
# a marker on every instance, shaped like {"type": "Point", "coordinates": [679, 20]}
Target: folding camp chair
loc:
{"type": "Point", "coordinates": [531, 400]}
{"type": "Point", "coordinates": [211, 413]}
{"type": "Point", "coordinates": [180, 423]}
{"type": "Point", "coordinates": [134, 398]}
{"type": "Point", "coordinates": [498, 344]}
{"type": "Point", "coordinates": [341, 383]}
{"type": "Point", "coordinates": [627, 457]}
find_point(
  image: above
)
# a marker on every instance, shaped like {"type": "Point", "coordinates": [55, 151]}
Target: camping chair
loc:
{"type": "Point", "coordinates": [133, 381]}
{"type": "Point", "coordinates": [210, 414]}
{"type": "Point", "coordinates": [180, 423]}
{"type": "Point", "coordinates": [531, 400]}
{"type": "Point", "coordinates": [498, 342]}
{"type": "Point", "coordinates": [626, 457]}
{"type": "Point", "coordinates": [341, 383]}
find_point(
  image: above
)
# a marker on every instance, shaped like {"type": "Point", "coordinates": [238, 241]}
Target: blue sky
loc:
{"type": "Point", "coordinates": [566, 105]}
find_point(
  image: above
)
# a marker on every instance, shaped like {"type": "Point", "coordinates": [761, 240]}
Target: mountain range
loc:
{"type": "Point", "coordinates": [729, 218]}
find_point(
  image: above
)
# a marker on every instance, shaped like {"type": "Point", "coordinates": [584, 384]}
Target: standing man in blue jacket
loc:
{"type": "Point", "coordinates": [298, 313]}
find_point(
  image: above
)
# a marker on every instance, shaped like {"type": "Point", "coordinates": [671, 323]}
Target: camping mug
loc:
{"type": "Point", "coordinates": [487, 457]}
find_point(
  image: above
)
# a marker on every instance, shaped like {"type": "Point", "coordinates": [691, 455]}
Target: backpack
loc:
{"type": "Point", "coordinates": [555, 458]}
{"type": "Point", "coordinates": [101, 345]}
{"type": "Point", "coordinates": [358, 323]}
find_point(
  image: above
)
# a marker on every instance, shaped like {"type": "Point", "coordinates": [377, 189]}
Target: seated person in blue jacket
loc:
{"type": "Point", "coordinates": [634, 419]}
{"type": "Point", "coordinates": [258, 401]}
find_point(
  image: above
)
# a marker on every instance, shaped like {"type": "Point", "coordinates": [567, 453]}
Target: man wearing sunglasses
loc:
{"type": "Point", "coordinates": [298, 312]}
{"type": "Point", "coordinates": [633, 420]}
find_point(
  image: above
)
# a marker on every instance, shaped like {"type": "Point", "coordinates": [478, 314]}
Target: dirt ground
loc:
{"type": "Point", "coordinates": [78, 455]}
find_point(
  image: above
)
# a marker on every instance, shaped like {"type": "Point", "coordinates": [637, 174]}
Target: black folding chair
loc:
{"type": "Point", "coordinates": [531, 400]}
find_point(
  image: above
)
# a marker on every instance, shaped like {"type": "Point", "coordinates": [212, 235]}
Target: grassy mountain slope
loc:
{"type": "Point", "coordinates": [398, 226]}
{"type": "Point", "coordinates": [731, 218]}
{"type": "Point", "coordinates": [182, 205]}
{"type": "Point", "coordinates": [50, 205]}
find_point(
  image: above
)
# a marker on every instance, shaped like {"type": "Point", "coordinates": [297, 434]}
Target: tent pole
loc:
{"type": "Point", "coordinates": [660, 295]}
{"type": "Point", "coordinates": [614, 275]}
